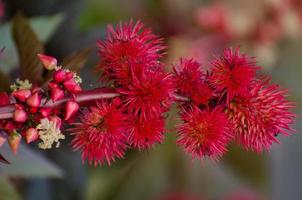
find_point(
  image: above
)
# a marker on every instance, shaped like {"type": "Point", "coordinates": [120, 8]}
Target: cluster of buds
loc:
{"type": "Point", "coordinates": [33, 116]}
{"type": "Point", "coordinates": [217, 105]}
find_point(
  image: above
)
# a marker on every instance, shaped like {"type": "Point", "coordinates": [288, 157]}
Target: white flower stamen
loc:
{"type": "Point", "coordinates": [49, 134]}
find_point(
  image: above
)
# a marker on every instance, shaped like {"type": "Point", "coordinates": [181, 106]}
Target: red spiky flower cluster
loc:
{"type": "Point", "coordinates": [240, 106]}
{"type": "Point", "coordinates": [228, 102]}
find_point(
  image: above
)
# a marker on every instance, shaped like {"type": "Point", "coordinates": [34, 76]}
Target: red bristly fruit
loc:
{"type": "Point", "coordinates": [204, 132]}
{"type": "Point", "coordinates": [101, 134]}
{"type": "Point", "coordinates": [260, 115]}
{"type": "Point", "coordinates": [232, 73]}
{"type": "Point", "coordinates": [130, 45]}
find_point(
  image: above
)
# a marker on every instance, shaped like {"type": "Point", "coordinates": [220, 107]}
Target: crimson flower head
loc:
{"type": "Point", "coordinates": [148, 95]}
{"type": "Point", "coordinates": [190, 81]}
{"type": "Point", "coordinates": [101, 134]}
{"type": "Point", "coordinates": [232, 73]}
{"type": "Point", "coordinates": [204, 132]}
{"type": "Point", "coordinates": [261, 115]}
{"type": "Point", "coordinates": [128, 45]}
{"type": "Point", "coordinates": [144, 133]}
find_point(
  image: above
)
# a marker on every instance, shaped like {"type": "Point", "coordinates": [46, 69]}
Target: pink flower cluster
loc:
{"type": "Point", "coordinates": [227, 102]}
{"type": "Point", "coordinates": [27, 100]}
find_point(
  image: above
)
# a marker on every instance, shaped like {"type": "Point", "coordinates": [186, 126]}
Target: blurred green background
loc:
{"type": "Point", "coordinates": [271, 30]}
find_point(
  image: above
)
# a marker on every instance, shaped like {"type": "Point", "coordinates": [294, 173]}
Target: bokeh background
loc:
{"type": "Point", "coordinates": [270, 30]}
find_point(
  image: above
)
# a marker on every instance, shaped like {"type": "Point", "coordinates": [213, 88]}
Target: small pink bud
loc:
{"type": "Point", "coordinates": [14, 140]}
{"type": "Point", "coordinates": [49, 62]}
{"type": "Point", "coordinates": [71, 108]}
{"type": "Point", "coordinates": [20, 116]}
{"type": "Point", "coordinates": [45, 112]}
{"type": "Point", "coordinates": [31, 135]}
{"type": "Point", "coordinates": [22, 95]}
{"type": "Point", "coordinates": [52, 85]}
{"type": "Point", "coordinates": [59, 76]}
{"type": "Point", "coordinates": [56, 94]}
{"type": "Point", "coordinates": [34, 100]}
{"type": "Point", "coordinates": [72, 86]}
{"type": "Point", "coordinates": [57, 120]}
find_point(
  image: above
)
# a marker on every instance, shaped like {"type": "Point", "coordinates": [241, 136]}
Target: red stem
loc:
{"type": "Point", "coordinates": [84, 97]}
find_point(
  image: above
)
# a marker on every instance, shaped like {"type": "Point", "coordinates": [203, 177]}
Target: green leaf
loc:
{"type": "Point", "coordinates": [28, 46]}
{"type": "Point", "coordinates": [28, 164]}
{"type": "Point", "coordinates": [3, 160]}
{"type": "Point", "coordinates": [249, 166]}
{"type": "Point", "coordinates": [7, 190]}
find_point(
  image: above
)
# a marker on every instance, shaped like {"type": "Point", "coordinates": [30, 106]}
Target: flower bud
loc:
{"type": "Point", "coordinates": [9, 126]}
{"type": "Point", "coordinates": [22, 95]}
{"type": "Point", "coordinates": [20, 116]}
{"type": "Point", "coordinates": [53, 85]}
{"type": "Point", "coordinates": [72, 86]}
{"type": "Point", "coordinates": [59, 76]}
{"type": "Point", "coordinates": [45, 112]}
{"type": "Point", "coordinates": [14, 140]}
{"type": "Point", "coordinates": [31, 135]}
{"type": "Point", "coordinates": [57, 120]}
{"type": "Point", "coordinates": [69, 75]}
{"type": "Point", "coordinates": [48, 62]}
{"type": "Point", "coordinates": [34, 100]}
{"type": "Point", "coordinates": [56, 94]}
{"type": "Point", "coordinates": [71, 108]}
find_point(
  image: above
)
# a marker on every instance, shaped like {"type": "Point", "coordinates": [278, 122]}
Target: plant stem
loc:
{"type": "Point", "coordinates": [82, 98]}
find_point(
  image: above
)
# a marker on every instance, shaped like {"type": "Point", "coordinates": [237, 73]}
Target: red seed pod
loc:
{"type": "Point", "coordinates": [48, 62]}
{"type": "Point", "coordinates": [22, 95]}
{"type": "Point", "coordinates": [34, 100]}
{"type": "Point", "coordinates": [71, 108]}
{"type": "Point", "coordinates": [31, 135]}
{"type": "Point", "coordinates": [59, 76]}
{"type": "Point", "coordinates": [14, 140]}
{"type": "Point", "coordinates": [56, 94]}
{"type": "Point", "coordinates": [20, 116]}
